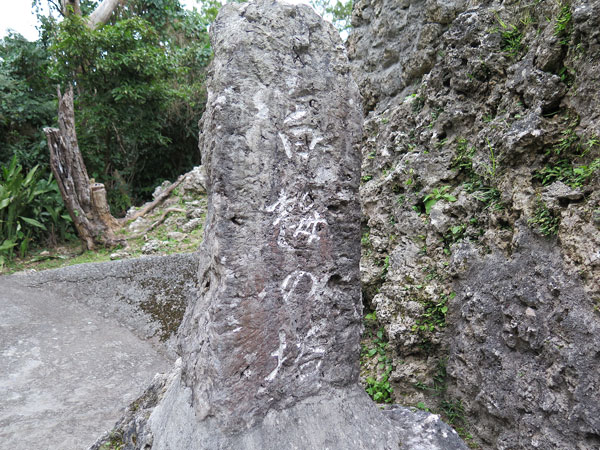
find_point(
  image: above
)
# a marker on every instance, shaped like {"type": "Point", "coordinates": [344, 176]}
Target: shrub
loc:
{"type": "Point", "coordinates": [30, 209]}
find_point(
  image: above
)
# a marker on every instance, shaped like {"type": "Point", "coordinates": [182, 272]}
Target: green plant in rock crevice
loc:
{"type": "Point", "coordinates": [378, 384]}
{"type": "Point", "coordinates": [482, 189]}
{"type": "Point", "coordinates": [435, 196]}
{"type": "Point", "coordinates": [492, 167]}
{"type": "Point", "coordinates": [570, 160]}
{"type": "Point", "coordinates": [115, 442]}
{"type": "Point", "coordinates": [451, 409]}
{"type": "Point", "coordinates": [454, 234]}
{"type": "Point", "coordinates": [545, 221]}
{"type": "Point", "coordinates": [573, 175]}
{"type": "Point", "coordinates": [434, 314]}
{"type": "Point", "coordinates": [463, 159]}
{"type": "Point", "coordinates": [512, 38]}
{"type": "Point", "coordinates": [563, 27]}
{"type": "Point", "coordinates": [386, 267]}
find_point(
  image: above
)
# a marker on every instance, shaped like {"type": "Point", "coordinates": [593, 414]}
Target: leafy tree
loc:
{"type": "Point", "coordinates": [27, 101]}
{"type": "Point", "coordinates": [339, 13]}
{"type": "Point", "coordinates": [138, 75]}
{"type": "Point", "coordinates": [139, 92]}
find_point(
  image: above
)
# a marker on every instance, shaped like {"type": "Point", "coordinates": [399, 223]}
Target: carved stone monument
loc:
{"type": "Point", "coordinates": [270, 348]}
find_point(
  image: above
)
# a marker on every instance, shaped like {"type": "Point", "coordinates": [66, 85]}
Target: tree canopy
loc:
{"type": "Point", "coordinates": [138, 76]}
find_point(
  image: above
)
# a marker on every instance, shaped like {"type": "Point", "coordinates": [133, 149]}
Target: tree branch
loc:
{"type": "Point", "coordinates": [146, 209]}
{"type": "Point", "coordinates": [102, 13]}
{"type": "Point", "coordinates": [57, 6]}
{"type": "Point", "coordinates": [157, 223]}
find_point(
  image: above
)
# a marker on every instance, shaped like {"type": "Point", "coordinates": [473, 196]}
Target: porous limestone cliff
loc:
{"type": "Point", "coordinates": [481, 211]}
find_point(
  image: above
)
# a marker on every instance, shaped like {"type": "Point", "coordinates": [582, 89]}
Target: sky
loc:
{"type": "Point", "coordinates": [19, 16]}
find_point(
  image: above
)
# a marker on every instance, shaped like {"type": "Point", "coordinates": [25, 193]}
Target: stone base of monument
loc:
{"type": "Point", "coordinates": [339, 419]}
{"type": "Point", "coordinates": [270, 347]}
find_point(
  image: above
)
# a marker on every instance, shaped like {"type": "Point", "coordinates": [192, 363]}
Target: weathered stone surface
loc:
{"type": "Point", "coordinates": [322, 421]}
{"type": "Point", "coordinates": [75, 348]}
{"type": "Point", "coordinates": [147, 295]}
{"type": "Point", "coordinates": [270, 347]}
{"type": "Point", "coordinates": [195, 181]}
{"type": "Point", "coordinates": [500, 115]}
{"type": "Point", "coordinates": [532, 344]}
{"type": "Point", "coordinates": [281, 294]}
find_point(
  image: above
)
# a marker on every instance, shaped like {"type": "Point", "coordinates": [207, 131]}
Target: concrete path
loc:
{"type": "Point", "coordinates": [66, 372]}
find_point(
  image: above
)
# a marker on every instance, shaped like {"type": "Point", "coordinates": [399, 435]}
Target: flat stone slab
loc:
{"type": "Point", "coordinates": [66, 372]}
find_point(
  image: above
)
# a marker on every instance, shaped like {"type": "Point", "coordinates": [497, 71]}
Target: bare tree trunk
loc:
{"type": "Point", "coordinates": [102, 13]}
{"type": "Point", "coordinates": [98, 17]}
{"type": "Point", "coordinates": [85, 201]}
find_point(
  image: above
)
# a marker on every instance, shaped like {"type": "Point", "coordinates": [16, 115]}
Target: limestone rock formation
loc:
{"type": "Point", "coordinates": [480, 197]}
{"type": "Point", "coordinates": [270, 347]}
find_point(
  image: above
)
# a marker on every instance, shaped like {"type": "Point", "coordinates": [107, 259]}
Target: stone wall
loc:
{"type": "Point", "coordinates": [481, 242]}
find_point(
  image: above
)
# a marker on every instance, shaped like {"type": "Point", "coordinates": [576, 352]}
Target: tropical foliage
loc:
{"type": "Point", "coordinates": [139, 94]}
{"type": "Point", "coordinates": [31, 209]}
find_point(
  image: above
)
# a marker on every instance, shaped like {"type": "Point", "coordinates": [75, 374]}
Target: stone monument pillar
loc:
{"type": "Point", "coordinates": [270, 348]}
{"type": "Point", "coordinates": [279, 317]}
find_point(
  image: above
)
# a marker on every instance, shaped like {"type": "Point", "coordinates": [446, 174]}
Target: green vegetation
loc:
{"type": "Point", "coordinates": [512, 38]}
{"type": "Point", "coordinates": [434, 315]}
{"type": "Point", "coordinates": [481, 187]}
{"type": "Point", "coordinates": [563, 25]}
{"type": "Point", "coordinates": [488, 195]}
{"type": "Point", "coordinates": [513, 33]}
{"type": "Point", "coordinates": [471, 230]}
{"type": "Point", "coordinates": [385, 267]}
{"type": "Point", "coordinates": [463, 158]}
{"type": "Point", "coordinates": [139, 91]}
{"type": "Point", "coordinates": [454, 234]}
{"type": "Point", "coordinates": [435, 196]}
{"type": "Point", "coordinates": [571, 160]}
{"type": "Point", "coordinates": [451, 410]}
{"type": "Point", "coordinates": [417, 102]}
{"type": "Point", "coordinates": [545, 221]}
{"type": "Point", "coordinates": [339, 14]}
{"type": "Point", "coordinates": [364, 240]}
{"type": "Point", "coordinates": [30, 210]}
{"type": "Point", "coordinates": [492, 167]}
{"type": "Point", "coordinates": [568, 143]}
{"type": "Point", "coordinates": [563, 170]}
{"type": "Point", "coordinates": [115, 442]}
{"type": "Point", "coordinates": [70, 252]}
{"type": "Point", "coordinates": [438, 387]}
{"type": "Point", "coordinates": [377, 385]}
{"type": "Point", "coordinates": [28, 101]}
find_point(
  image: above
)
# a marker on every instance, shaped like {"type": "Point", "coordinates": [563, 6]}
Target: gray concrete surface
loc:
{"type": "Point", "coordinates": [66, 372]}
{"type": "Point", "coordinates": [147, 295]}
